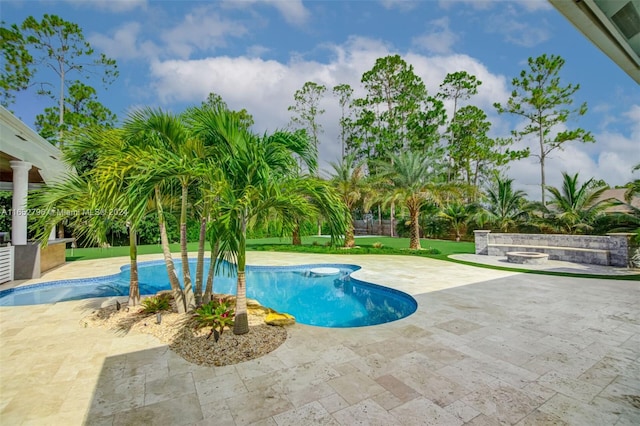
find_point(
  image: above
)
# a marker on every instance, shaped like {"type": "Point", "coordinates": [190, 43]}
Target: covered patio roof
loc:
{"type": "Point", "coordinates": [19, 142]}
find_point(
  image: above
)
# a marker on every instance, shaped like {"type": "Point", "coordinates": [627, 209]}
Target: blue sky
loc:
{"type": "Point", "coordinates": [256, 53]}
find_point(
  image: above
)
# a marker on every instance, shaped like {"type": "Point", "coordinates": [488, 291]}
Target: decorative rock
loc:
{"type": "Point", "coordinates": [275, 318]}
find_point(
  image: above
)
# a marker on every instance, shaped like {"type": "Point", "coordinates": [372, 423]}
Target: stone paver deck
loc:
{"type": "Point", "coordinates": [485, 347]}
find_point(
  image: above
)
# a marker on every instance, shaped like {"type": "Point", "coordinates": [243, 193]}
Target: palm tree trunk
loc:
{"type": "Point", "coordinates": [391, 219]}
{"type": "Point", "coordinates": [200, 262]}
{"type": "Point", "coordinates": [349, 234]}
{"type": "Point", "coordinates": [134, 289]}
{"type": "Point", "coordinates": [190, 302]}
{"type": "Point", "coordinates": [241, 321]}
{"type": "Point", "coordinates": [296, 240]}
{"type": "Point", "coordinates": [415, 229]}
{"type": "Point", "coordinates": [178, 295]}
{"type": "Point", "coordinates": [208, 292]}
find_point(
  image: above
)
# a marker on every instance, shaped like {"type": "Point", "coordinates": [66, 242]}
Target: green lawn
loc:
{"type": "Point", "coordinates": [432, 248]}
{"type": "Point", "coordinates": [437, 249]}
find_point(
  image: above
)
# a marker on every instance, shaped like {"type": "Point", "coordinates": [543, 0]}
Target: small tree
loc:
{"type": "Point", "coordinates": [413, 186]}
{"type": "Point", "coordinates": [473, 153]}
{"type": "Point", "coordinates": [344, 93]}
{"type": "Point", "coordinates": [458, 216]}
{"type": "Point", "coordinates": [506, 207]}
{"type": "Point", "coordinates": [574, 207]}
{"type": "Point", "coordinates": [307, 110]}
{"type": "Point", "coordinates": [81, 109]}
{"type": "Point", "coordinates": [16, 70]}
{"type": "Point", "coordinates": [350, 180]}
{"type": "Point", "coordinates": [539, 98]}
{"type": "Point", "coordinates": [55, 45]}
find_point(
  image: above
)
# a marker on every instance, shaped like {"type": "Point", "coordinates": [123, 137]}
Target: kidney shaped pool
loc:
{"type": "Point", "coordinates": [323, 295]}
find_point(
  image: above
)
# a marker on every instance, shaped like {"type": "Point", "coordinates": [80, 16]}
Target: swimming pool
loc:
{"type": "Point", "coordinates": [323, 295]}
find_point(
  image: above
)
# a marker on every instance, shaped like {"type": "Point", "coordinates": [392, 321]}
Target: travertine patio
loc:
{"type": "Point", "coordinates": [485, 347]}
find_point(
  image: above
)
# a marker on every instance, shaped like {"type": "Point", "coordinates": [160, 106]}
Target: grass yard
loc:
{"type": "Point", "coordinates": [431, 248]}
{"type": "Point", "coordinates": [437, 249]}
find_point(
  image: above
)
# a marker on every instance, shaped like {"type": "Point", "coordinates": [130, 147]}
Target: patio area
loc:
{"type": "Point", "coordinates": [485, 347]}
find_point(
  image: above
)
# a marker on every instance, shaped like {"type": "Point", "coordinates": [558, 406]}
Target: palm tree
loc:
{"type": "Point", "coordinates": [171, 156]}
{"type": "Point", "coordinates": [410, 175]}
{"type": "Point", "coordinates": [574, 208]}
{"type": "Point", "coordinates": [507, 208]}
{"type": "Point", "coordinates": [350, 180]}
{"type": "Point", "coordinates": [458, 215]}
{"type": "Point", "coordinates": [166, 161]}
{"type": "Point", "coordinates": [255, 183]}
{"type": "Point", "coordinates": [98, 196]}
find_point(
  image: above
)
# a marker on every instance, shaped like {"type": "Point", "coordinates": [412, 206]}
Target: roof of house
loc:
{"type": "Point", "coordinates": [618, 194]}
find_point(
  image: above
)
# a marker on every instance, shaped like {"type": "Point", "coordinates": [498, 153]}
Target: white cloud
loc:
{"type": "Point", "coordinates": [257, 50]}
{"type": "Point", "coordinates": [475, 4]}
{"type": "Point", "coordinates": [113, 5]}
{"type": "Point", "coordinates": [293, 11]}
{"type": "Point", "coordinates": [403, 5]}
{"type": "Point", "coordinates": [438, 39]}
{"type": "Point", "coordinates": [123, 44]}
{"type": "Point", "coordinates": [200, 30]}
{"type": "Point", "coordinates": [529, 5]}
{"type": "Point", "coordinates": [534, 5]}
{"type": "Point", "coordinates": [516, 29]}
{"type": "Point", "coordinates": [512, 19]}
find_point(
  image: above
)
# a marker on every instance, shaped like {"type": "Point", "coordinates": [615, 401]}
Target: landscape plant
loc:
{"type": "Point", "coordinates": [155, 304]}
{"type": "Point", "coordinates": [216, 314]}
{"type": "Point", "coordinates": [574, 208]}
{"type": "Point", "coordinates": [505, 208]}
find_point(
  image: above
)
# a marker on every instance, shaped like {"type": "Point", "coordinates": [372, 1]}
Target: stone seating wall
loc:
{"type": "Point", "coordinates": [610, 249]}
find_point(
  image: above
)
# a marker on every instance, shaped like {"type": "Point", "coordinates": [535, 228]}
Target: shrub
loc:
{"type": "Point", "coordinates": [216, 314]}
{"type": "Point", "coordinates": [154, 304]}
{"type": "Point", "coordinates": [377, 245]}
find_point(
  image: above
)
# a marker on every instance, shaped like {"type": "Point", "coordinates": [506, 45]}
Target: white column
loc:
{"type": "Point", "coordinates": [19, 204]}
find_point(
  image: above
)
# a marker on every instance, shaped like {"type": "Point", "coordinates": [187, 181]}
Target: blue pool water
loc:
{"type": "Point", "coordinates": [335, 300]}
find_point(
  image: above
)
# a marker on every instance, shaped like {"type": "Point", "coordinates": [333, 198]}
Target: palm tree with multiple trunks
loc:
{"type": "Point", "coordinates": [256, 182]}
